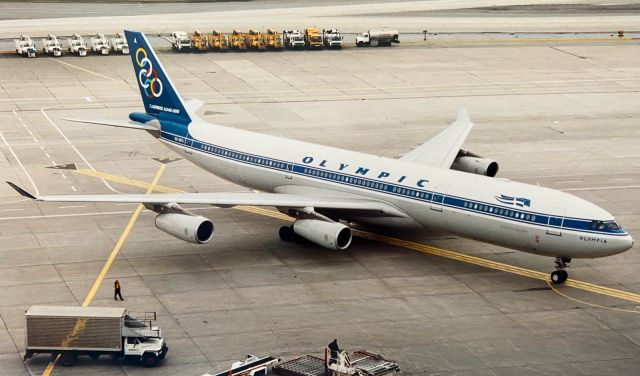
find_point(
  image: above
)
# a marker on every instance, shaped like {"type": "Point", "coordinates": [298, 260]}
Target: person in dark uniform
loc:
{"type": "Point", "coordinates": [333, 347]}
{"type": "Point", "coordinates": [116, 293]}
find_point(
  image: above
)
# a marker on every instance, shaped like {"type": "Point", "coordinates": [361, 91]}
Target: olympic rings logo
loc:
{"type": "Point", "coordinates": [147, 76]}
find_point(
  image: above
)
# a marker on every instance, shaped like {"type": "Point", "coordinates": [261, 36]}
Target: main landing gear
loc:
{"type": "Point", "coordinates": [560, 275]}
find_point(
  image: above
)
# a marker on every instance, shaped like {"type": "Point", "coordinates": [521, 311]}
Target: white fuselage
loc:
{"type": "Point", "coordinates": [499, 211]}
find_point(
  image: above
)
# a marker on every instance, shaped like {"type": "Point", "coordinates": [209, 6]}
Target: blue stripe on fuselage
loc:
{"type": "Point", "coordinates": [460, 203]}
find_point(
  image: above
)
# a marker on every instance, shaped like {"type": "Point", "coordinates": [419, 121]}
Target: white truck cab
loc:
{"type": "Point", "coordinates": [119, 44]}
{"type": "Point", "coordinates": [25, 46]}
{"type": "Point", "coordinates": [51, 45]}
{"type": "Point", "coordinates": [77, 45]}
{"type": "Point", "coordinates": [180, 41]}
{"type": "Point", "coordinates": [100, 44]}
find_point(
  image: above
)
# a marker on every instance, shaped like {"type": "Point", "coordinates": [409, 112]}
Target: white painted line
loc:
{"type": "Point", "coordinates": [6, 210]}
{"type": "Point", "coordinates": [20, 163]}
{"type": "Point", "coordinates": [72, 206]}
{"type": "Point", "coordinates": [42, 110]}
{"type": "Point", "coordinates": [47, 154]}
{"type": "Point", "coordinates": [53, 162]}
{"type": "Point", "coordinates": [74, 188]}
{"type": "Point", "coordinates": [569, 181]}
{"type": "Point", "coordinates": [63, 176]}
{"type": "Point", "coordinates": [41, 147]}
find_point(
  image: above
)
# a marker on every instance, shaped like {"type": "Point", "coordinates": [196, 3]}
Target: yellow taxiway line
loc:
{"type": "Point", "coordinates": [105, 269]}
{"type": "Point", "coordinates": [542, 276]}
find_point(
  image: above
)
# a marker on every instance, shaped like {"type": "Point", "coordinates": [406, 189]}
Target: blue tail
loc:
{"type": "Point", "coordinates": [158, 93]}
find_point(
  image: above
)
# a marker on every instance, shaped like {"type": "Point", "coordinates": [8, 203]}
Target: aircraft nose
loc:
{"type": "Point", "coordinates": [622, 244]}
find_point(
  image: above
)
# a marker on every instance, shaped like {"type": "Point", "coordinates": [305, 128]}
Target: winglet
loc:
{"type": "Point", "coordinates": [22, 191]}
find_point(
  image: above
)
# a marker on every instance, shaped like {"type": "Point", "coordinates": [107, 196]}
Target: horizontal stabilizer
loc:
{"type": "Point", "coordinates": [115, 123]}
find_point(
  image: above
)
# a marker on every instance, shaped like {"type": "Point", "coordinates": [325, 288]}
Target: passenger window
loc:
{"type": "Point", "coordinates": [533, 218]}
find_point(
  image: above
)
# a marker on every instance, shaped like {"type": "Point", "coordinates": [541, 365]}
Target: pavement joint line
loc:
{"type": "Point", "coordinates": [105, 269]}
{"type": "Point", "coordinates": [542, 276]}
{"type": "Point", "coordinates": [86, 70]}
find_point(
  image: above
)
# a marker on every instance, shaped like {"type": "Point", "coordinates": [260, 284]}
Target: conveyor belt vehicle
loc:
{"type": "Point", "coordinates": [238, 41]}
{"type": "Point", "coordinates": [119, 44]}
{"type": "Point", "coordinates": [198, 41]}
{"type": "Point", "coordinates": [100, 44]}
{"type": "Point", "coordinates": [180, 41]}
{"type": "Point", "coordinates": [51, 45]}
{"type": "Point", "coordinates": [250, 366]}
{"type": "Point", "coordinates": [218, 41]}
{"type": "Point", "coordinates": [359, 363]}
{"type": "Point", "coordinates": [93, 331]}
{"type": "Point", "coordinates": [77, 45]}
{"type": "Point", "coordinates": [25, 46]}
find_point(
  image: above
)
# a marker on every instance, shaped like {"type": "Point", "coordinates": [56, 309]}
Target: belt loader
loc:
{"type": "Point", "coordinates": [198, 41]}
{"type": "Point", "coordinates": [238, 41]}
{"type": "Point", "coordinates": [255, 40]}
{"type": "Point", "coordinates": [272, 39]}
{"type": "Point", "coordinates": [25, 46]}
{"type": "Point", "coordinates": [218, 41]}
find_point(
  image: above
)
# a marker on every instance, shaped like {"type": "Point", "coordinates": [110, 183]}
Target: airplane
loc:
{"type": "Point", "coordinates": [437, 185]}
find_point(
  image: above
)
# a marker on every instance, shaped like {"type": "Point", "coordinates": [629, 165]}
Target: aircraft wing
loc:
{"type": "Point", "coordinates": [441, 150]}
{"type": "Point", "coordinates": [225, 199]}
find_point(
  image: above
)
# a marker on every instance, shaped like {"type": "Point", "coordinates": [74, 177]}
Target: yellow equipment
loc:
{"type": "Point", "coordinates": [272, 40]}
{"type": "Point", "coordinates": [198, 41]}
{"type": "Point", "coordinates": [238, 40]}
{"type": "Point", "coordinates": [255, 40]}
{"type": "Point", "coordinates": [312, 37]}
{"type": "Point", "coordinates": [218, 41]}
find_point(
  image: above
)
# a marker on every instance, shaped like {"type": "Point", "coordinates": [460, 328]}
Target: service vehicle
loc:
{"type": "Point", "coordinates": [272, 39]}
{"type": "Point", "coordinates": [71, 331]}
{"type": "Point", "coordinates": [293, 39]}
{"type": "Point", "coordinates": [359, 363]}
{"type": "Point", "coordinates": [25, 46]}
{"type": "Point", "coordinates": [374, 38]}
{"type": "Point", "coordinates": [255, 41]}
{"type": "Point", "coordinates": [218, 41]}
{"type": "Point", "coordinates": [51, 45]}
{"type": "Point", "coordinates": [119, 44]}
{"type": "Point", "coordinates": [100, 44]}
{"type": "Point", "coordinates": [312, 38]}
{"type": "Point", "coordinates": [198, 41]}
{"type": "Point", "coordinates": [238, 41]}
{"type": "Point", "coordinates": [180, 41]}
{"type": "Point", "coordinates": [77, 45]}
{"type": "Point", "coordinates": [332, 38]}
{"type": "Point", "coordinates": [251, 365]}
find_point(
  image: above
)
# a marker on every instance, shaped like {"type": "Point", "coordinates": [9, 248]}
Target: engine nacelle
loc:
{"type": "Point", "coordinates": [332, 235]}
{"type": "Point", "coordinates": [475, 164]}
{"type": "Point", "coordinates": [192, 229]}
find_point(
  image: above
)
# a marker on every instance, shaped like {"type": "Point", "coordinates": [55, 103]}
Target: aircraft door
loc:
{"type": "Point", "coordinates": [554, 223]}
{"type": "Point", "coordinates": [437, 199]}
{"type": "Point", "coordinates": [289, 169]}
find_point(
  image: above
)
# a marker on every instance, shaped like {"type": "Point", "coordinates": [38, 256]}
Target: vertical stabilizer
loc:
{"type": "Point", "coordinates": [158, 93]}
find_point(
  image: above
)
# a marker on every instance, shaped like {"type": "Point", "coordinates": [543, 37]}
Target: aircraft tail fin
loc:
{"type": "Point", "coordinates": [158, 93]}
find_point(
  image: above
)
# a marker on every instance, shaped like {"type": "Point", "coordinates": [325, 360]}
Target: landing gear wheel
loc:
{"type": "Point", "coordinates": [286, 233]}
{"type": "Point", "coordinates": [556, 277]}
{"type": "Point", "coordinates": [560, 275]}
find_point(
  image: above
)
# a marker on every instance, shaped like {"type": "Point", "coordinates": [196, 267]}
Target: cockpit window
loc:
{"type": "Point", "coordinates": [612, 226]}
{"type": "Point", "coordinates": [600, 225]}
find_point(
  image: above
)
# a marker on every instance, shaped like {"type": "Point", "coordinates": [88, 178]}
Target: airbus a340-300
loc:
{"type": "Point", "coordinates": [435, 186]}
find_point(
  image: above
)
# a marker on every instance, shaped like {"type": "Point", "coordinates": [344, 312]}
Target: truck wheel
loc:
{"type": "Point", "coordinates": [360, 44]}
{"type": "Point", "coordinates": [68, 360]}
{"type": "Point", "coordinates": [94, 356]}
{"type": "Point", "coordinates": [149, 360]}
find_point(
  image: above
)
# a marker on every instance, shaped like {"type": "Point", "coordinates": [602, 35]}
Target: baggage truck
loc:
{"type": "Point", "coordinates": [255, 41]}
{"type": "Point", "coordinates": [180, 41]}
{"type": "Point", "coordinates": [69, 332]}
{"type": "Point", "coordinates": [293, 39]}
{"type": "Point", "coordinates": [374, 38]}
{"type": "Point", "coordinates": [272, 39]}
{"type": "Point", "coordinates": [237, 41]}
{"type": "Point", "coordinates": [312, 38]}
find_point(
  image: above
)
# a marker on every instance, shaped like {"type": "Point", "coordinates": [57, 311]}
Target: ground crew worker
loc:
{"type": "Point", "coordinates": [333, 347]}
{"type": "Point", "coordinates": [116, 293]}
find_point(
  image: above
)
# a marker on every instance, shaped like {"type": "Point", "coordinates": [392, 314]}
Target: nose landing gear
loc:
{"type": "Point", "coordinates": [560, 275]}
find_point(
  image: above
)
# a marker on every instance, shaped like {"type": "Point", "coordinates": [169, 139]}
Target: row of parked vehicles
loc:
{"type": "Point", "coordinates": [255, 40]}
{"type": "Point", "coordinates": [311, 38]}
{"type": "Point", "coordinates": [76, 44]}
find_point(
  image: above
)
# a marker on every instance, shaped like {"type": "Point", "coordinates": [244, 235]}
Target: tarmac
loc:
{"type": "Point", "coordinates": [563, 115]}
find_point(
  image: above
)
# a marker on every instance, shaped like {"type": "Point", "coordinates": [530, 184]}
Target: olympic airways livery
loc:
{"type": "Point", "coordinates": [435, 186]}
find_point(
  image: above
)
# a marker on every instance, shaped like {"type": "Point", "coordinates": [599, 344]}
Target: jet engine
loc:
{"type": "Point", "coordinates": [190, 228]}
{"type": "Point", "coordinates": [466, 161]}
{"type": "Point", "coordinates": [332, 235]}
